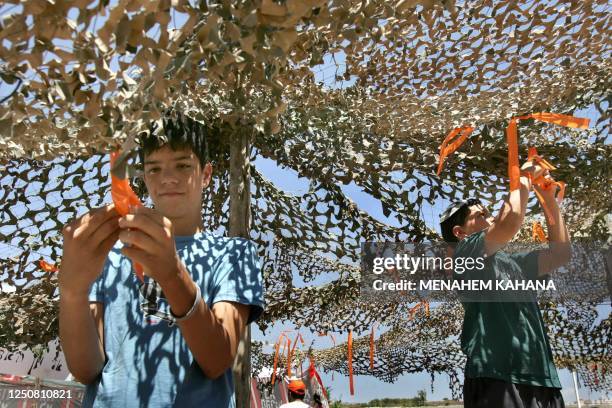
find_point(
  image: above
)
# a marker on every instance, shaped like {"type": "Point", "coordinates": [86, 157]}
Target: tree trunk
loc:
{"type": "Point", "coordinates": [239, 226]}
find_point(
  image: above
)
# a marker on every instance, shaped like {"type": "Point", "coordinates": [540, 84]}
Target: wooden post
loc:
{"type": "Point", "coordinates": [239, 226]}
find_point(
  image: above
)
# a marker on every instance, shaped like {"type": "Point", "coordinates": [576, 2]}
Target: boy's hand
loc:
{"type": "Point", "coordinates": [87, 241]}
{"type": "Point", "coordinates": [533, 169]}
{"type": "Point", "coordinates": [547, 193]}
{"type": "Point", "coordinates": [149, 240]}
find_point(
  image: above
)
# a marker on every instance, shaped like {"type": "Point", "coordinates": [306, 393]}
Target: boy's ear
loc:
{"type": "Point", "coordinates": [206, 175]}
{"type": "Point", "coordinates": [458, 232]}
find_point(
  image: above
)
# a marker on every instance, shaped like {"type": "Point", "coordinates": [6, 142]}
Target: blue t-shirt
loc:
{"type": "Point", "coordinates": [148, 362]}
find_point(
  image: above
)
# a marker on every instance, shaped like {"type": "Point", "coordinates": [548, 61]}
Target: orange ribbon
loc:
{"type": "Point", "coordinates": [452, 142]}
{"type": "Point", "coordinates": [532, 154]}
{"type": "Point", "coordinates": [47, 267]}
{"type": "Point", "coordinates": [537, 232]}
{"type": "Point", "coordinates": [350, 362]}
{"type": "Point", "coordinates": [276, 352]}
{"type": "Point", "coordinates": [545, 183]}
{"type": "Point", "coordinates": [276, 347]}
{"type": "Point", "coordinates": [372, 346]}
{"type": "Point", "coordinates": [290, 354]}
{"type": "Point", "coordinates": [541, 181]}
{"type": "Point", "coordinates": [421, 305]}
{"type": "Point", "coordinates": [122, 193]}
{"type": "Point", "coordinates": [514, 171]}
{"type": "Point", "coordinates": [123, 198]}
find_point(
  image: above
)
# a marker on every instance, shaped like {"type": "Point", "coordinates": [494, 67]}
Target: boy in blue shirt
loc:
{"type": "Point", "coordinates": [170, 340]}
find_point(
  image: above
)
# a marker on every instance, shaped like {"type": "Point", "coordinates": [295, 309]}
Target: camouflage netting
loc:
{"type": "Point", "coordinates": [433, 341]}
{"type": "Point", "coordinates": [396, 78]}
{"type": "Point", "coordinates": [39, 198]}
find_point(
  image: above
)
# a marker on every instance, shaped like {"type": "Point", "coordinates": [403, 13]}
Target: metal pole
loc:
{"type": "Point", "coordinates": [239, 225]}
{"type": "Point", "coordinates": [576, 388]}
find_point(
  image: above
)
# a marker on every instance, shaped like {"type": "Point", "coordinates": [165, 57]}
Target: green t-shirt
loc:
{"type": "Point", "coordinates": [504, 340]}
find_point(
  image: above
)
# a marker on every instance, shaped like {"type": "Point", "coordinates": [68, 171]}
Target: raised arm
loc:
{"type": "Point", "coordinates": [509, 220]}
{"type": "Point", "coordinates": [559, 249]}
{"type": "Point", "coordinates": [512, 214]}
{"type": "Point", "coordinates": [87, 241]}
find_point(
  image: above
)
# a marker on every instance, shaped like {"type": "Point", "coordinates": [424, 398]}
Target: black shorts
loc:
{"type": "Point", "coordinates": [492, 393]}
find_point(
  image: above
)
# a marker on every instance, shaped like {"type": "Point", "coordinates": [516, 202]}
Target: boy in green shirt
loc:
{"type": "Point", "coordinates": [509, 359]}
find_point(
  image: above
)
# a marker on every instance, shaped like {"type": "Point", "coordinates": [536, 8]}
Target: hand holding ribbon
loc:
{"type": "Point", "coordinates": [544, 185]}
{"type": "Point", "coordinates": [124, 199]}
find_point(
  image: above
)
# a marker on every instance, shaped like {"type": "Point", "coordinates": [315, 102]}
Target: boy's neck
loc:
{"type": "Point", "coordinates": [187, 227]}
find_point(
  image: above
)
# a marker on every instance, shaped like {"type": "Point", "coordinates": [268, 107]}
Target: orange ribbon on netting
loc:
{"type": "Point", "coordinates": [458, 135]}
{"type": "Point", "coordinates": [537, 232]}
{"type": "Point", "coordinates": [514, 171]}
{"type": "Point", "coordinates": [350, 362]}
{"type": "Point", "coordinates": [545, 183]}
{"type": "Point", "coordinates": [452, 142]}
{"type": "Point", "coordinates": [124, 198]}
{"type": "Point", "coordinates": [421, 305]}
{"type": "Point", "coordinates": [372, 345]}
{"type": "Point", "coordinates": [290, 355]}
{"type": "Point", "coordinates": [276, 352]}
{"type": "Point", "coordinates": [276, 349]}
{"type": "Point", "coordinates": [47, 267]}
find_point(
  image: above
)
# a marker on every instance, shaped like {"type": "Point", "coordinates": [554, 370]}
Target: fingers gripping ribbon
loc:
{"type": "Point", "coordinates": [124, 198]}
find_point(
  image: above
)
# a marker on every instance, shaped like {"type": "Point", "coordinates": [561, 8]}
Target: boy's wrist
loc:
{"type": "Point", "coordinates": [549, 200]}
{"type": "Point", "coordinates": [172, 277]}
{"type": "Point", "coordinates": [180, 291]}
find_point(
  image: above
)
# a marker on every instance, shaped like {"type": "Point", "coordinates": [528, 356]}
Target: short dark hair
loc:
{"type": "Point", "coordinates": [460, 211]}
{"type": "Point", "coordinates": [179, 132]}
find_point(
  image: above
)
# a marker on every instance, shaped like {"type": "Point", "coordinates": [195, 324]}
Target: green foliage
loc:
{"type": "Point", "coordinates": [417, 401]}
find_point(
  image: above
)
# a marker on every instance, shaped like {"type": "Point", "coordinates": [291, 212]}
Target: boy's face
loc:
{"type": "Point", "coordinates": [175, 180]}
{"type": "Point", "coordinates": [477, 220]}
